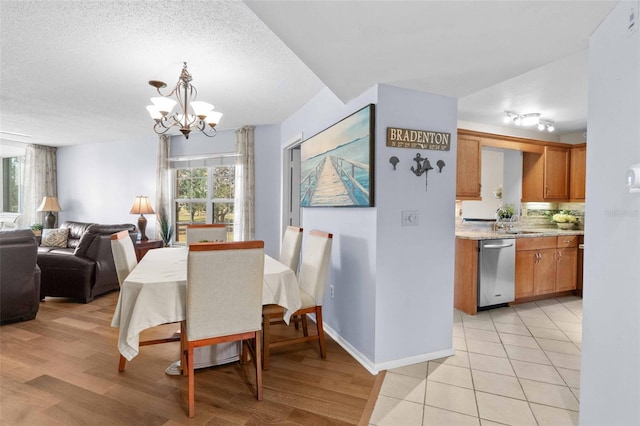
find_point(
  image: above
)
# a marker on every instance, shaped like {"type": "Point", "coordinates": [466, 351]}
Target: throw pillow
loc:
{"type": "Point", "coordinates": [55, 237]}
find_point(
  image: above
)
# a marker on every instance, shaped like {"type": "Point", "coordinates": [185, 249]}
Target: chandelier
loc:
{"type": "Point", "coordinates": [202, 117]}
{"type": "Point", "coordinates": [533, 119]}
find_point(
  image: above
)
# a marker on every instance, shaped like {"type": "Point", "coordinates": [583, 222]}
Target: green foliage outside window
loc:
{"type": "Point", "coordinates": [199, 189]}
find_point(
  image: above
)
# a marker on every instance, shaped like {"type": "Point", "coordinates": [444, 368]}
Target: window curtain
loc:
{"type": "Point", "coordinates": [244, 214]}
{"type": "Point", "coordinates": [163, 193]}
{"type": "Point", "coordinates": [39, 181]}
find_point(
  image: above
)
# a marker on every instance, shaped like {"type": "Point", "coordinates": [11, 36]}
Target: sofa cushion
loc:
{"type": "Point", "coordinates": [19, 276]}
{"type": "Point", "coordinates": [76, 231]}
{"type": "Point", "coordinates": [56, 250]}
{"type": "Point", "coordinates": [55, 237]}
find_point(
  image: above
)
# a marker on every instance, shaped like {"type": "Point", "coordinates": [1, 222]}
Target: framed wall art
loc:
{"type": "Point", "coordinates": [337, 163]}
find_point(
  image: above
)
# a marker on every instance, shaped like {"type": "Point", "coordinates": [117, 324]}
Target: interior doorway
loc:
{"type": "Point", "coordinates": [291, 211]}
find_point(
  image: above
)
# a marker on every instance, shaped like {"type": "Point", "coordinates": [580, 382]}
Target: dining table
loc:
{"type": "Point", "coordinates": [154, 293]}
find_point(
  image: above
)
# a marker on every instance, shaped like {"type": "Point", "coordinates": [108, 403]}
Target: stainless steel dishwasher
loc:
{"type": "Point", "coordinates": [496, 272]}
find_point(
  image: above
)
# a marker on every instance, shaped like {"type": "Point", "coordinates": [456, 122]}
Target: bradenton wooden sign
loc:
{"type": "Point", "coordinates": [418, 139]}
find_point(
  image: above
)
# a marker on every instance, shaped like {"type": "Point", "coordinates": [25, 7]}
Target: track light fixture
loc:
{"type": "Point", "coordinates": [531, 119]}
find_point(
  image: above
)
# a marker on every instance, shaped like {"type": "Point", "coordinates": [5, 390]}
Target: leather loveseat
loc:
{"type": "Point", "coordinates": [85, 268]}
{"type": "Point", "coordinates": [19, 276]}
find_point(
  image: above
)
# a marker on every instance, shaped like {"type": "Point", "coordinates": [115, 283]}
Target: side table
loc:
{"type": "Point", "coordinates": [142, 247]}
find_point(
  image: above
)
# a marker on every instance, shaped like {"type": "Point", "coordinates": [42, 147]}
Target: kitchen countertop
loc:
{"type": "Point", "coordinates": [514, 233]}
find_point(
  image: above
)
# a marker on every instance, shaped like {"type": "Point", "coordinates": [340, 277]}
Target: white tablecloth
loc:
{"type": "Point", "coordinates": [154, 293]}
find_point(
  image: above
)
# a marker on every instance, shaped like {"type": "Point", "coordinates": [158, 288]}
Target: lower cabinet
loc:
{"type": "Point", "coordinates": [567, 263]}
{"type": "Point", "coordinates": [545, 265]}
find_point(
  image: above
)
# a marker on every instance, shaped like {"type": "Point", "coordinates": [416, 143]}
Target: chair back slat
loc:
{"type": "Point", "coordinates": [209, 232]}
{"type": "Point", "coordinates": [291, 245]}
{"type": "Point", "coordinates": [224, 288]}
{"type": "Point", "coordinates": [124, 254]}
{"type": "Point", "coordinates": [315, 264]}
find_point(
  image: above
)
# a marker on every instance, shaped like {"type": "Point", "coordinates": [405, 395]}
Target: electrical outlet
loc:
{"type": "Point", "coordinates": [331, 291]}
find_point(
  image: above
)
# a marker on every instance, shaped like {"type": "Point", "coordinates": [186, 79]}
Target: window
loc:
{"type": "Point", "coordinates": [11, 189]}
{"type": "Point", "coordinates": [203, 195]}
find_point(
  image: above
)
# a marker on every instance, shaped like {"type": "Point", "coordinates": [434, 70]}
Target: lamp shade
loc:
{"type": "Point", "coordinates": [49, 204]}
{"type": "Point", "coordinates": [141, 205]}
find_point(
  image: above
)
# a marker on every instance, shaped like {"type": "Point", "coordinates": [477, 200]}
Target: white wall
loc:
{"type": "Point", "coordinates": [268, 178]}
{"type": "Point", "coordinates": [491, 177]}
{"type": "Point", "coordinates": [393, 285]}
{"type": "Point", "coordinates": [351, 314]}
{"type": "Point", "coordinates": [512, 178]}
{"type": "Point", "coordinates": [610, 378]}
{"type": "Point", "coordinates": [414, 279]}
{"type": "Point", "coordinates": [98, 182]}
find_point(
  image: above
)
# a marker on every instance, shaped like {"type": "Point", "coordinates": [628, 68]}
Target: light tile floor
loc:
{"type": "Point", "coordinates": [516, 365]}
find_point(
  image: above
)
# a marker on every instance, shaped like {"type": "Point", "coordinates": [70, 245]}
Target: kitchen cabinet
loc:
{"type": "Point", "coordinates": [556, 173]}
{"type": "Point", "coordinates": [578, 167]}
{"type": "Point", "coordinates": [468, 168]}
{"type": "Point", "coordinates": [535, 266]}
{"type": "Point", "coordinates": [545, 176]}
{"type": "Point", "coordinates": [546, 265]}
{"type": "Point", "coordinates": [465, 277]}
{"type": "Point", "coordinates": [580, 265]}
{"type": "Point", "coordinates": [567, 263]}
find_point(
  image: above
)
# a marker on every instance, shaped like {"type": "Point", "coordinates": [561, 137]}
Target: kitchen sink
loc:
{"type": "Point", "coordinates": [514, 231]}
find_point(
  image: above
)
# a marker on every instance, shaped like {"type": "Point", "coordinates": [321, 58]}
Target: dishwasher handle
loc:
{"type": "Point", "coordinates": [497, 246]}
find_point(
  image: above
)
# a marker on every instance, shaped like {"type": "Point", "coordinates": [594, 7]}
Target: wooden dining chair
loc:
{"type": "Point", "coordinates": [224, 302]}
{"type": "Point", "coordinates": [124, 257]}
{"type": "Point", "coordinates": [206, 232]}
{"type": "Point", "coordinates": [311, 280]}
{"type": "Point", "coordinates": [290, 249]}
{"type": "Point", "coordinates": [124, 254]}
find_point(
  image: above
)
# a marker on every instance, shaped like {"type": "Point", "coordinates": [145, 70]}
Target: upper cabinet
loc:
{"type": "Point", "coordinates": [545, 177]}
{"type": "Point", "coordinates": [556, 173]}
{"type": "Point", "coordinates": [468, 171]}
{"type": "Point", "coordinates": [551, 171]}
{"type": "Point", "coordinates": [577, 170]}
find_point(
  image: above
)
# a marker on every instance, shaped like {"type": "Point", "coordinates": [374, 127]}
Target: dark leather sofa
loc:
{"type": "Point", "coordinates": [19, 276]}
{"type": "Point", "coordinates": [85, 268]}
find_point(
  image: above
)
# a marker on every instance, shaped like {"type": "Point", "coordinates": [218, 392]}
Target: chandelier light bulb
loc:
{"type": "Point", "coordinates": [540, 126]}
{"type": "Point", "coordinates": [164, 105]}
{"type": "Point", "coordinates": [550, 128]}
{"type": "Point", "coordinates": [213, 118]}
{"type": "Point", "coordinates": [154, 112]}
{"type": "Point", "coordinates": [201, 109]}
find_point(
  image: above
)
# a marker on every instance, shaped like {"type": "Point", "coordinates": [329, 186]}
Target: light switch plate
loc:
{"type": "Point", "coordinates": [410, 218]}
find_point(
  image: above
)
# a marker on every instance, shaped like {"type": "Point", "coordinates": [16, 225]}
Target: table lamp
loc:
{"type": "Point", "coordinates": [141, 205]}
{"type": "Point", "coordinates": [50, 204]}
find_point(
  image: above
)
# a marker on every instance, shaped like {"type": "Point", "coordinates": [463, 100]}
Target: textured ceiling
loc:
{"type": "Point", "coordinates": [77, 71]}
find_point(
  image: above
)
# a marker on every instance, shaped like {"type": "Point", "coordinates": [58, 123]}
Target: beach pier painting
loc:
{"type": "Point", "coordinates": [337, 163]}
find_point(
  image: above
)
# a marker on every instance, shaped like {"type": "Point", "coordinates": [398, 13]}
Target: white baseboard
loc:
{"type": "Point", "coordinates": [376, 368]}
{"type": "Point", "coordinates": [363, 360]}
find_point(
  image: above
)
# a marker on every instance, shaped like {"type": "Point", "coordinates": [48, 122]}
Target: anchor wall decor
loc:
{"type": "Point", "coordinates": [423, 167]}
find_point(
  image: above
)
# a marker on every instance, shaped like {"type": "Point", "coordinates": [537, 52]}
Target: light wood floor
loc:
{"type": "Point", "coordinates": [62, 368]}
